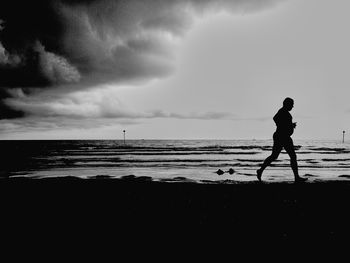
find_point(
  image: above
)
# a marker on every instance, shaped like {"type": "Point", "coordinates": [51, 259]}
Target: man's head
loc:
{"type": "Point", "coordinates": [288, 104]}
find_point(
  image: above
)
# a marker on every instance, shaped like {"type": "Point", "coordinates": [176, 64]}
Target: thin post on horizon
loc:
{"type": "Point", "coordinates": [343, 136]}
{"type": "Point", "coordinates": [124, 136]}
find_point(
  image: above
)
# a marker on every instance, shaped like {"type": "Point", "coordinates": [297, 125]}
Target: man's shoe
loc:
{"type": "Point", "coordinates": [258, 174]}
{"type": "Point", "coordinates": [300, 179]}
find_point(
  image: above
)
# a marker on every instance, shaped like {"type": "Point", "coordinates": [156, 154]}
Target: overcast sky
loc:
{"type": "Point", "coordinates": [186, 69]}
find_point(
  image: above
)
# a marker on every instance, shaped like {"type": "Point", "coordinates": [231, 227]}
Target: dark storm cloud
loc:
{"type": "Point", "coordinates": [38, 124]}
{"type": "Point", "coordinates": [47, 44]}
{"type": "Point", "coordinates": [97, 104]}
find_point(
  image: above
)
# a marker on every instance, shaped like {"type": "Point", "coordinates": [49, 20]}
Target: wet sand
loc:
{"type": "Point", "coordinates": [133, 210]}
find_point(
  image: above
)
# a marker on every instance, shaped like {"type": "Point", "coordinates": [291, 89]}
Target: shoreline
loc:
{"type": "Point", "coordinates": [144, 218]}
{"type": "Point", "coordinates": [147, 180]}
{"type": "Point", "coordinates": [311, 212]}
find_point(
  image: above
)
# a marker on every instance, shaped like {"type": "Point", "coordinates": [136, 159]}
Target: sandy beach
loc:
{"type": "Point", "coordinates": [139, 208]}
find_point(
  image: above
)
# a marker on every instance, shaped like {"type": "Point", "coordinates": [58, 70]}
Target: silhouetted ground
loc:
{"type": "Point", "coordinates": [158, 214]}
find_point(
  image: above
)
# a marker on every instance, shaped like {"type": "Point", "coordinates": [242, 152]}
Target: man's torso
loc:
{"type": "Point", "coordinates": [284, 123]}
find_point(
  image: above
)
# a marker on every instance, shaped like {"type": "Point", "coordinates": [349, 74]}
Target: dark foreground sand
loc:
{"type": "Point", "coordinates": [135, 212]}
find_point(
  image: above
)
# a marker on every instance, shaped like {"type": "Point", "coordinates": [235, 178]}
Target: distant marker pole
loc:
{"type": "Point", "coordinates": [343, 136]}
{"type": "Point", "coordinates": [124, 136]}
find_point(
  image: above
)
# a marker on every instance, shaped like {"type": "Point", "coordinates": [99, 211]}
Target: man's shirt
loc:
{"type": "Point", "coordinates": [284, 123]}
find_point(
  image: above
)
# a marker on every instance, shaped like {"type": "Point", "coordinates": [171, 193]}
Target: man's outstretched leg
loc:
{"type": "Point", "coordinates": [266, 163]}
{"type": "Point", "coordinates": [276, 149]}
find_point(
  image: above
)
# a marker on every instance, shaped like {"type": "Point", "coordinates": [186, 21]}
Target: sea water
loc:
{"type": "Point", "coordinates": [172, 160]}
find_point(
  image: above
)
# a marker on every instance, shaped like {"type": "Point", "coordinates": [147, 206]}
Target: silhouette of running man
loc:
{"type": "Point", "coordinates": [282, 139]}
